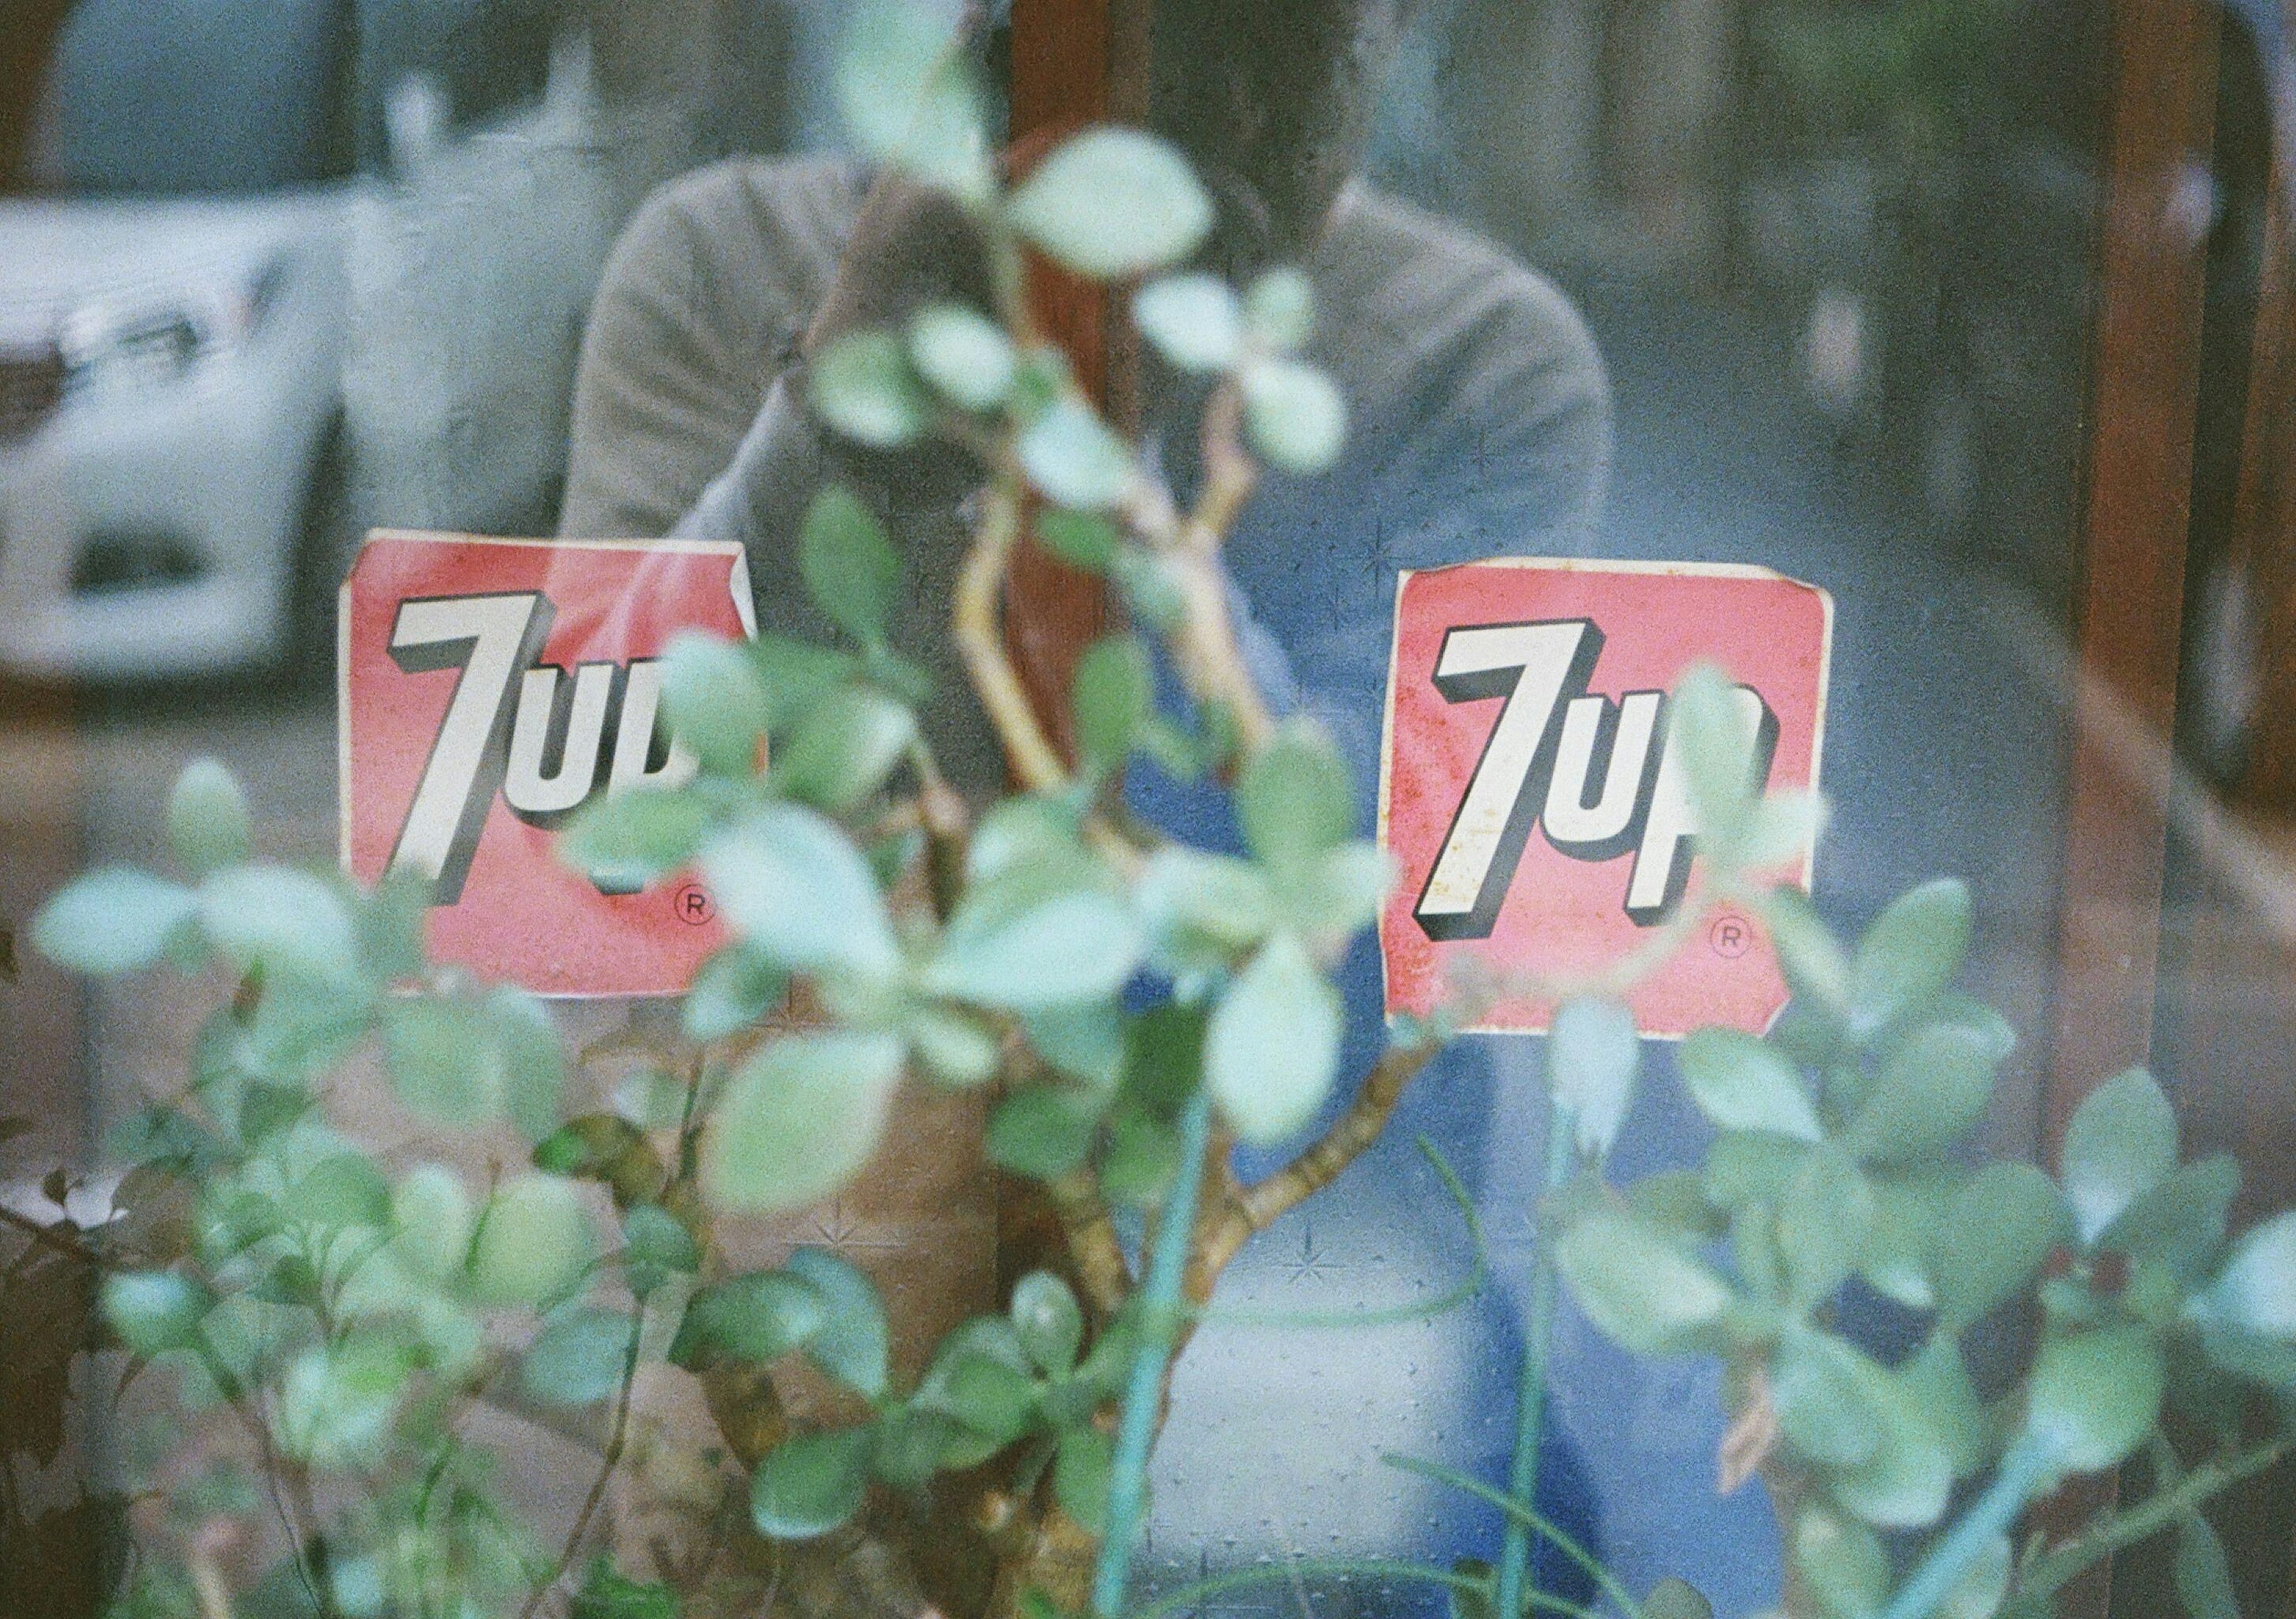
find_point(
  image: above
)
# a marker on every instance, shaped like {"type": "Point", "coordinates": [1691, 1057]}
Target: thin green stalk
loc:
{"type": "Point", "coordinates": [1532, 1519]}
{"type": "Point", "coordinates": [2025, 1470]}
{"type": "Point", "coordinates": [2155, 1512]}
{"type": "Point", "coordinates": [1369, 1568]}
{"type": "Point", "coordinates": [1531, 1391]}
{"type": "Point", "coordinates": [1160, 1322]}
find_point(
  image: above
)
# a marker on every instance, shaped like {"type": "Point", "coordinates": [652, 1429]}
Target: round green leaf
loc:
{"type": "Point", "coordinates": [715, 701]}
{"type": "Point", "coordinates": [1080, 540]}
{"type": "Point", "coordinates": [2257, 1288]}
{"type": "Point", "coordinates": [1073, 948]}
{"type": "Point", "coordinates": [1713, 729]}
{"type": "Point", "coordinates": [207, 819]}
{"type": "Point", "coordinates": [1912, 951]}
{"type": "Point", "coordinates": [1592, 1056]}
{"type": "Point", "coordinates": [2091, 1397]}
{"type": "Point", "coordinates": [287, 921]}
{"type": "Point", "coordinates": [1672, 1599]}
{"type": "Point", "coordinates": [1742, 1084]}
{"type": "Point", "coordinates": [1043, 1131]}
{"type": "Point", "coordinates": [756, 1317]}
{"type": "Point", "coordinates": [341, 1192]}
{"type": "Point", "coordinates": [808, 1485]}
{"type": "Point", "coordinates": [2121, 1143]}
{"type": "Point", "coordinates": [962, 355]}
{"type": "Point", "coordinates": [1998, 1229]}
{"type": "Point", "coordinates": [1294, 415]}
{"type": "Point", "coordinates": [1111, 696]}
{"type": "Point", "coordinates": [153, 1312]}
{"type": "Point", "coordinates": [732, 989]}
{"type": "Point", "coordinates": [1823, 1225]}
{"type": "Point", "coordinates": [1198, 905]}
{"type": "Point", "coordinates": [113, 919]}
{"type": "Point", "coordinates": [853, 1343]}
{"type": "Point", "coordinates": [438, 1062]}
{"type": "Point", "coordinates": [2181, 1223]}
{"type": "Point", "coordinates": [534, 1243]}
{"type": "Point", "coordinates": [1933, 1091]}
{"type": "Point", "coordinates": [850, 568]}
{"type": "Point", "coordinates": [434, 1220]}
{"type": "Point", "coordinates": [1272, 1048]}
{"type": "Point", "coordinates": [1842, 1563]}
{"type": "Point", "coordinates": [862, 388]}
{"type": "Point", "coordinates": [577, 1358]}
{"type": "Point", "coordinates": [1907, 1481]}
{"type": "Point", "coordinates": [956, 1047]}
{"type": "Point", "coordinates": [793, 885]}
{"type": "Point", "coordinates": [1050, 1323]}
{"type": "Point", "coordinates": [1073, 458]}
{"type": "Point", "coordinates": [1081, 1468]}
{"type": "Point", "coordinates": [1636, 1286]}
{"type": "Point", "coordinates": [902, 83]}
{"type": "Point", "coordinates": [1294, 799]}
{"type": "Point", "coordinates": [1829, 1397]}
{"type": "Point", "coordinates": [1112, 201]}
{"type": "Point", "coordinates": [633, 838]}
{"type": "Point", "coordinates": [844, 748]}
{"type": "Point", "coordinates": [1280, 309]}
{"type": "Point", "coordinates": [655, 1246]}
{"type": "Point", "coordinates": [800, 1120]}
{"type": "Point", "coordinates": [1194, 321]}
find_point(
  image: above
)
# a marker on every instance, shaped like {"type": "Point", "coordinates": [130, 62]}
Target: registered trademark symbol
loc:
{"type": "Point", "coordinates": [1731, 937]}
{"type": "Point", "coordinates": [693, 904]}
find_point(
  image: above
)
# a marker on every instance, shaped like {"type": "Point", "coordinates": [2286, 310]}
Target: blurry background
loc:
{"type": "Point", "coordinates": [275, 270]}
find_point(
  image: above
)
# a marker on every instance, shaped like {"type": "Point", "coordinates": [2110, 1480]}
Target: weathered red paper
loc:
{"type": "Point", "coordinates": [1525, 792]}
{"type": "Point", "coordinates": [489, 688]}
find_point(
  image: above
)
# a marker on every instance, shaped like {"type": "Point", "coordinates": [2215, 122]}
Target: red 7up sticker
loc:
{"type": "Point", "coordinates": [490, 688]}
{"type": "Point", "coordinates": [1531, 792]}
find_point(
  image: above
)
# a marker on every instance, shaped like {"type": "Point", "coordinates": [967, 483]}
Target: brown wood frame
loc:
{"type": "Point", "coordinates": [2128, 603]}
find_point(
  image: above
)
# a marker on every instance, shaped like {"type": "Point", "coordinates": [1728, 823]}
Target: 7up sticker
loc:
{"type": "Point", "coordinates": [487, 690]}
{"type": "Point", "coordinates": [1533, 795]}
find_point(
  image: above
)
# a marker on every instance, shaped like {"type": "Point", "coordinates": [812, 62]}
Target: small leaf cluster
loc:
{"type": "Point", "coordinates": [995, 1383]}
{"type": "Point", "coordinates": [1839, 1165]}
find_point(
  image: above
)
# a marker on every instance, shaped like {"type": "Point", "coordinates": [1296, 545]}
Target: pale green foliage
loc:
{"type": "Point", "coordinates": [1115, 991]}
{"type": "Point", "coordinates": [207, 819]}
{"type": "Point", "coordinates": [1592, 1059]}
{"type": "Point", "coordinates": [967, 359]}
{"type": "Point", "coordinates": [1064, 205]}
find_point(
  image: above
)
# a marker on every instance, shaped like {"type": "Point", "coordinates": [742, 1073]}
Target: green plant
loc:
{"type": "Point", "coordinates": [1135, 1006]}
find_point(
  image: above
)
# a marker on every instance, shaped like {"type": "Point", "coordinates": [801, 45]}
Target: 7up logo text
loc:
{"type": "Point", "coordinates": [488, 690]}
{"type": "Point", "coordinates": [1533, 792]}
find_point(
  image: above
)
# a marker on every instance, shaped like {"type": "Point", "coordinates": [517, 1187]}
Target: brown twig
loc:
{"type": "Point", "coordinates": [1257, 1207]}
{"type": "Point", "coordinates": [1091, 1236]}
{"type": "Point", "coordinates": [979, 629]}
{"type": "Point", "coordinates": [608, 1463]}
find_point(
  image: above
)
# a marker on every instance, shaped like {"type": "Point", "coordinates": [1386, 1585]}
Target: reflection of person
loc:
{"type": "Point", "coordinates": [1480, 406]}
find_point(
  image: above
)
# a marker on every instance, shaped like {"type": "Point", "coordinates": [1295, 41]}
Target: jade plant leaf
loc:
{"type": "Point", "coordinates": [2121, 1143]}
{"type": "Point", "coordinates": [1065, 205]}
{"type": "Point", "coordinates": [799, 1119]}
{"type": "Point", "coordinates": [807, 1486]}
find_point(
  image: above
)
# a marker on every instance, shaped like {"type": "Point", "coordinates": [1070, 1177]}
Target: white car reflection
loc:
{"type": "Point", "coordinates": [169, 372]}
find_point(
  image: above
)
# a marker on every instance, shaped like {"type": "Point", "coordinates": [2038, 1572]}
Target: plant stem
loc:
{"type": "Point", "coordinates": [1530, 1393]}
{"type": "Point", "coordinates": [1531, 1518]}
{"type": "Point", "coordinates": [2023, 1471]}
{"type": "Point", "coordinates": [1159, 1323]}
{"type": "Point", "coordinates": [613, 1459]}
{"type": "Point", "coordinates": [2156, 1512]}
{"type": "Point", "coordinates": [1370, 1568]}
